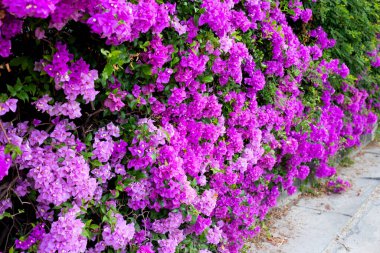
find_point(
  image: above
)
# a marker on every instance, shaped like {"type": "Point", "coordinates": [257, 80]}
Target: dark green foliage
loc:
{"type": "Point", "coordinates": [354, 25]}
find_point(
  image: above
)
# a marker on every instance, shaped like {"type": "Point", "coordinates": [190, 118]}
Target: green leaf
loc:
{"type": "Point", "coordinates": [267, 148]}
{"type": "Point", "coordinates": [114, 54]}
{"type": "Point", "coordinates": [104, 52]}
{"type": "Point", "coordinates": [87, 155]}
{"type": "Point", "coordinates": [127, 182]}
{"type": "Point", "coordinates": [96, 163]}
{"type": "Point", "coordinates": [107, 71]}
{"type": "Point", "coordinates": [13, 150]}
{"type": "Point", "coordinates": [88, 138]}
{"type": "Point", "coordinates": [194, 218]}
{"type": "Point", "coordinates": [215, 170]}
{"type": "Point", "coordinates": [103, 209]}
{"type": "Point", "coordinates": [117, 194]}
{"type": "Point", "coordinates": [23, 96]}
{"type": "Point", "coordinates": [5, 215]}
{"type": "Point", "coordinates": [11, 90]}
{"type": "Point", "coordinates": [17, 61]}
{"type": "Point", "coordinates": [119, 187]}
{"type": "Point", "coordinates": [86, 233]}
{"type": "Point", "coordinates": [88, 223]}
{"type": "Point", "coordinates": [147, 70]}
{"type": "Point", "coordinates": [174, 61]}
{"type": "Point", "coordinates": [94, 226]}
{"type": "Point", "coordinates": [207, 79]}
{"type": "Point", "coordinates": [138, 174]}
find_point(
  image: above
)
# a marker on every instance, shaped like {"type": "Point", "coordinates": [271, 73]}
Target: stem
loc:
{"type": "Point", "coordinates": [5, 133]}
{"type": "Point", "coordinates": [92, 114]}
{"type": "Point", "coordinates": [5, 188]}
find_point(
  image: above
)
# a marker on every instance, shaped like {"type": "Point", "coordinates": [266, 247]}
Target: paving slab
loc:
{"type": "Point", "coordinates": [336, 223]}
{"type": "Point", "coordinates": [362, 233]}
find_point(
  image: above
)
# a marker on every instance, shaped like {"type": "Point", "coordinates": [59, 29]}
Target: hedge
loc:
{"type": "Point", "coordinates": [172, 126]}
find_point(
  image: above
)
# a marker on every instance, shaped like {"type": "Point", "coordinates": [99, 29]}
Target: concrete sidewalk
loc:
{"type": "Point", "coordinates": [348, 222]}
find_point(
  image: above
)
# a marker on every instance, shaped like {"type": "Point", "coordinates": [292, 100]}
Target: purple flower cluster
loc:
{"type": "Point", "coordinates": [4, 205]}
{"type": "Point", "coordinates": [9, 105]}
{"type": "Point", "coordinates": [60, 175]}
{"type": "Point", "coordinates": [10, 26]}
{"type": "Point", "coordinates": [375, 56]}
{"type": "Point", "coordinates": [119, 236]}
{"type": "Point", "coordinates": [74, 78]}
{"type": "Point", "coordinates": [112, 20]}
{"type": "Point", "coordinates": [65, 234]}
{"type": "Point", "coordinates": [338, 185]}
{"type": "Point", "coordinates": [114, 101]}
{"type": "Point", "coordinates": [37, 234]}
{"type": "Point", "coordinates": [31, 8]}
{"type": "Point", "coordinates": [5, 163]}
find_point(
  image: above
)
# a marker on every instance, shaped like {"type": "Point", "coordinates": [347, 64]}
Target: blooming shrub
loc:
{"type": "Point", "coordinates": [357, 38]}
{"type": "Point", "coordinates": [163, 126]}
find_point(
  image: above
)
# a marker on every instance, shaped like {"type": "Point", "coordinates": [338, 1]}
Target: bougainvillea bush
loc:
{"type": "Point", "coordinates": [163, 126]}
{"type": "Point", "coordinates": [354, 24]}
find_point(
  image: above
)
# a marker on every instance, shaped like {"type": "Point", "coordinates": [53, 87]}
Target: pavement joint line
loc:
{"type": "Point", "coordinates": [344, 245]}
{"type": "Point", "coordinates": [324, 211]}
{"type": "Point", "coordinates": [354, 219]}
{"type": "Point", "coordinates": [372, 178]}
{"type": "Point", "coordinates": [371, 152]}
